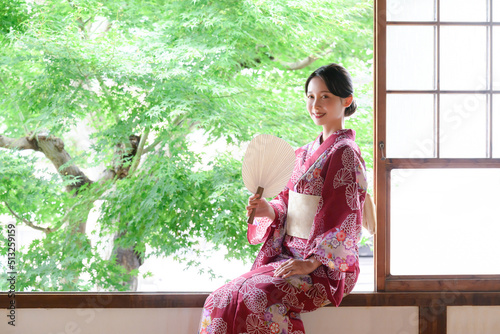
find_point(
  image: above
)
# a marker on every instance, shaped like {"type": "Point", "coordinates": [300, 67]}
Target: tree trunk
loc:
{"type": "Point", "coordinates": [128, 258]}
{"type": "Point", "coordinates": [53, 148]}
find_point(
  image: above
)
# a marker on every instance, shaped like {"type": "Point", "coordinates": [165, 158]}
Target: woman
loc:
{"type": "Point", "coordinates": [310, 230]}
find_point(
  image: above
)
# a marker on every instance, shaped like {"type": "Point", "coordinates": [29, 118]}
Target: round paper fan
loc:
{"type": "Point", "coordinates": [267, 166]}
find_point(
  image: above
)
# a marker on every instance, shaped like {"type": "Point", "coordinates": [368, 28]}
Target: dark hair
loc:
{"type": "Point", "coordinates": [338, 81]}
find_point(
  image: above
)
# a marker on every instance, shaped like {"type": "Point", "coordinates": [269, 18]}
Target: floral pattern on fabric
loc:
{"type": "Point", "coordinates": [338, 250]}
{"type": "Point", "coordinates": [258, 302]}
{"type": "Point", "coordinates": [335, 171]}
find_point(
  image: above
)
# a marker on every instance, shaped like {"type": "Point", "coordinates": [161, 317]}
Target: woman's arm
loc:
{"type": "Point", "coordinates": [343, 201]}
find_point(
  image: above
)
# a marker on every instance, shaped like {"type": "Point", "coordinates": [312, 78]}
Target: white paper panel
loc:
{"type": "Point", "coordinates": [410, 126]}
{"type": "Point", "coordinates": [463, 10]}
{"type": "Point", "coordinates": [463, 126]}
{"type": "Point", "coordinates": [496, 126]}
{"type": "Point", "coordinates": [444, 222]}
{"type": "Point", "coordinates": [496, 10]}
{"type": "Point", "coordinates": [362, 320]}
{"type": "Point", "coordinates": [463, 58]}
{"type": "Point", "coordinates": [473, 319]}
{"type": "Point", "coordinates": [496, 57]}
{"type": "Point", "coordinates": [410, 57]}
{"type": "Point", "coordinates": [410, 10]}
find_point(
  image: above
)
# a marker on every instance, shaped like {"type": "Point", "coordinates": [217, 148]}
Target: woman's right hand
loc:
{"type": "Point", "coordinates": [261, 206]}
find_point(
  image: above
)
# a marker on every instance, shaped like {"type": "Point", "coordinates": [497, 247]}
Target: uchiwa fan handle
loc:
{"type": "Point", "coordinates": [259, 192]}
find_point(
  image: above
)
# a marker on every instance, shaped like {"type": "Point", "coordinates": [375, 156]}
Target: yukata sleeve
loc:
{"type": "Point", "coordinates": [260, 229]}
{"type": "Point", "coordinates": [343, 197]}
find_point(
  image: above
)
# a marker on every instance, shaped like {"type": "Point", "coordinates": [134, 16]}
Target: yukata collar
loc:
{"type": "Point", "coordinates": [319, 149]}
{"type": "Point", "coordinates": [318, 146]}
{"type": "Point", "coordinates": [328, 143]}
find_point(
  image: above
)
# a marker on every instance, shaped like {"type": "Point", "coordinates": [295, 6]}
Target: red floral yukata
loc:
{"type": "Point", "coordinates": [259, 303]}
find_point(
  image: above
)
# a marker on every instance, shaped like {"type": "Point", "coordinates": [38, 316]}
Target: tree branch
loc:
{"type": "Point", "coordinates": [23, 143]}
{"type": "Point", "coordinates": [193, 125]}
{"type": "Point", "coordinates": [77, 89]}
{"type": "Point", "coordinates": [300, 64]}
{"type": "Point", "coordinates": [53, 148]}
{"type": "Point", "coordinates": [238, 93]}
{"type": "Point", "coordinates": [124, 157]}
{"type": "Point", "coordinates": [27, 222]}
{"type": "Point", "coordinates": [108, 97]}
{"type": "Point", "coordinates": [159, 139]}
{"type": "Point", "coordinates": [140, 151]}
{"type": "Point", "coordinates": [153, 145]}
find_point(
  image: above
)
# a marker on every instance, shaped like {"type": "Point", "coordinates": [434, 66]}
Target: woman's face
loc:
{"type": "Point", "coordinates": [325, 108]}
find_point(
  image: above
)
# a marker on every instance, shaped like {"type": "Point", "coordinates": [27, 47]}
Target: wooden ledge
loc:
{"type": "Point", "coordinates": [196, 300]}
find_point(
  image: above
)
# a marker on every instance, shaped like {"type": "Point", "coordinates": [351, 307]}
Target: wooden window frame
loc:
{"type": "Point", "coordinates": [383, 166]}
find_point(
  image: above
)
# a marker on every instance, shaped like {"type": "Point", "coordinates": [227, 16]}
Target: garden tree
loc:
{"type": "Point", "coordinates": [148, 80]}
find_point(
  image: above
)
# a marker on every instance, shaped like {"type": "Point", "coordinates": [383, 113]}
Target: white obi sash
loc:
{"type": "Point", "coordinates": [301, 211]}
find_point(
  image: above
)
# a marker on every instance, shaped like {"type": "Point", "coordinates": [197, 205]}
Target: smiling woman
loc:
{"type": "Point", "coordinates": [304, 263]}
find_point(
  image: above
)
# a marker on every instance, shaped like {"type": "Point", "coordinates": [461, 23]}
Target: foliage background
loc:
{"type": "Point", "coordinates": [150, 80]}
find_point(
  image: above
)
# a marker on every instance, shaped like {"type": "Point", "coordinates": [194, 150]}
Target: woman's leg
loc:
{"type": "Point", "coordinates": [259, 303]}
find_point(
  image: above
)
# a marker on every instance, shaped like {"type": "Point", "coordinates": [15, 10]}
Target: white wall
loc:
{"type": "Point", "coordinates": [352, 320]}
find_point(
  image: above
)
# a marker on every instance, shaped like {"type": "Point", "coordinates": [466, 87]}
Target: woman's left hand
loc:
{"type": "Point", "coordinates": [296, 267]}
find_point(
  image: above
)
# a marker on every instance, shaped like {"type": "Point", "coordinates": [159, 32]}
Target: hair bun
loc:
{"type": "Point", "coordinates": [351, 109]}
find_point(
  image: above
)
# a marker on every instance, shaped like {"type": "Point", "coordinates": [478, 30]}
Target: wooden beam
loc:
{"type": "Point", "coordinates": [381, 251]}
{"type": "Point", "coordinates": [432, 320]}
{"type": "Point", "coordinates": [432, 300]}
{"type": "Point", "coordinates": [466, 283]}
